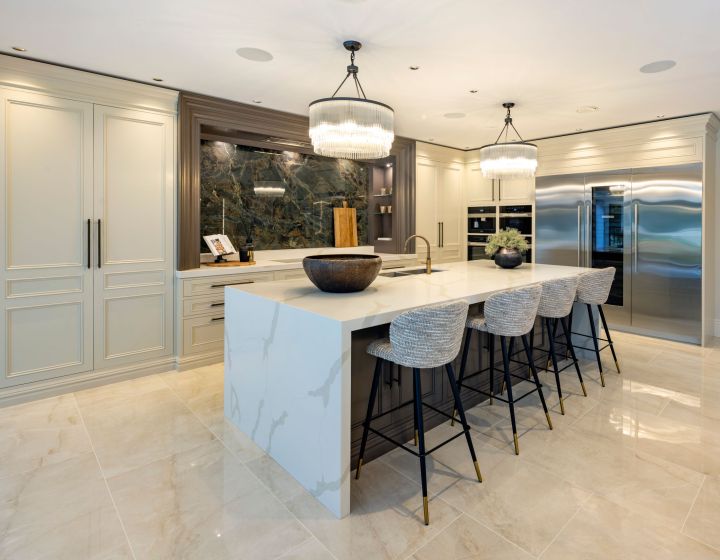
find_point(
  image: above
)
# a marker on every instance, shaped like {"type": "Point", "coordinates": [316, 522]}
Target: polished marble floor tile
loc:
{"type": "Point", "coordinates": [603, 530]}
{"type": "Point", "coordinates": [703, 523]}
{"type": "Point", "coordinates": [40, 433]}
{"type": "Point", "coordinates": [386, 518]}
{"type": "Point", "coordinates": [466, 539]}
{"type": "Point", "coordinates": [203, 503]}
{"type": "Point", "coordinates": [60, 511]}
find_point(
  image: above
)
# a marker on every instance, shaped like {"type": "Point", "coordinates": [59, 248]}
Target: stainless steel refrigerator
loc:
{"type": "Point", "coordinates": [646, 223]}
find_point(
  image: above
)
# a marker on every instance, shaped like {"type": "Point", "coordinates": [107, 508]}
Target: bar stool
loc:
{"type": "Point", "coordinates": [423, 338]}
{"type": "Point", "coordinates": [556, 303]}
{"type": "Point", "coordinates": [506, 315]}
{"type": "Point", "coordinates": [594, 289]}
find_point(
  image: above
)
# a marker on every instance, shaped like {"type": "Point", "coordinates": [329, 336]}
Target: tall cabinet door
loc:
{"type": "Point", "coordinates": [134, 178]}
{"type": "Point", "coordinates": [427, 222]}
{"type": "Point", "coordinates": [47, 202]}
{"type": "Point", "coordinates": [449, 193]}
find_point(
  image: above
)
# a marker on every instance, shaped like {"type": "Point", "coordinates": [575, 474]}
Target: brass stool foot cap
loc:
{"type": "Point", "coordinates": [617, 366]}
{"type": "Point", "coordinates": [357, 472]}
{"type": "Point", "coordinates": [582, 384]}
{"type": "Point", "coordinates": [426, 510]}
{"type": "Point", "coordinates": [547, 415]}
{"type": "Point", "coordinates": [477, 471]}
{"type": "Point", "coordinates": [517, 445]}
{"type": "Point", "coordinates": [562, 407]}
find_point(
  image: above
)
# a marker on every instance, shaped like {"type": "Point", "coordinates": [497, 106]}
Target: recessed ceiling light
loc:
{"type": "Point", "coordinates": [414, 68]}
{"type": "Point", "coordinates": [473, 91]}
{"type": "Point", "coordinates": [431, 139]}
{"type": "Point", "coordinates": [19, 49]}
{"type": "Point", "coordinates": [578, 130]}
{"type": "Point", "coordinates": [660, 116]}
{"type": "Point", "coordinates": [157, 79]}
{"type": "Point", "coordinates": [256, 55]}
{"type": "Point", "coordinates": [454, 115]}
{"type": "Point", "coordinates": [587, 109]}
{"type": "Point", "coordinates": [257, 101]}
{"type": "Point", "coordinates": [657, 66]}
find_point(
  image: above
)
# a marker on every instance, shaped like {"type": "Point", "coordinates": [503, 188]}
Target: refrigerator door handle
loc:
{"type": "Point", "coordinates": [636, 224]}
{"type": "Point", "coordinates": [579, 229]}
{"type": "Point", "coordinates": [588, 234]}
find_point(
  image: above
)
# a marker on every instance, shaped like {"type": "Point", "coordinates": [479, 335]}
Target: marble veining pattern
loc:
{"type": "Point", "coordinates": [301, 217]}
{"type": "Point", "coordinates": [621, 476]}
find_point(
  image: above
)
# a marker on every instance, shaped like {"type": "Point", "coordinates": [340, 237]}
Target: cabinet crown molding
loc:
{"type": "Point", "coordinates": [80, 85]}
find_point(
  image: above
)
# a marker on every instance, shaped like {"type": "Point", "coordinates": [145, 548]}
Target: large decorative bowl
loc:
{"type": "Point", "coordinates": [342, 273]}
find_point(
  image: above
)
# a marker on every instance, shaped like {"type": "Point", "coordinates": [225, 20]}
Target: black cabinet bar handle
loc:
{"type": "Point", "coordinates": [216, 304]}
{"type": "Point", "coordinates": [232, 284]}
{"type": "Point", "coordinates": [99, 244]}
{"type": "Point", "coordinates": [217, 319]}
{"type": "Point", "coordinates": [89, 248]}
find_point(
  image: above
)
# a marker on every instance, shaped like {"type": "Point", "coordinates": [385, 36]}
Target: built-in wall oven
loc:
{"type": "Point", "coordinates": [517, 217]}
{"type": "Point", "coordinates": [482, 222]}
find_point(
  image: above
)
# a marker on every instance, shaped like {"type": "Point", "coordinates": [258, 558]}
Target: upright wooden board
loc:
{"type": "Point", "coordinates": [345, 221]}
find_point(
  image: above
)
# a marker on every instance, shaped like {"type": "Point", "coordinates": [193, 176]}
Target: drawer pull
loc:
{"type": "Point", "coordinates": [232, 284]}
{"type": "Point", "coordinates": [217, 304]}
{"type": "Point", "coordinates": [217, 319]}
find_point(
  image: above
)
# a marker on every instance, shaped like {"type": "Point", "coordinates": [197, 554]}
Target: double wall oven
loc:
{"type": "Point", "coordinates": [483, 221]}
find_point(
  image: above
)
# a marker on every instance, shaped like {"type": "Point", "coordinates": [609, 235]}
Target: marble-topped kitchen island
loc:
{"type": "Point", "coordinates": [288, 350]}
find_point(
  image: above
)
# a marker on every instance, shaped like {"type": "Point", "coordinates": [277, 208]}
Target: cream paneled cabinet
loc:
{"type": "Point", "coordinates": [482, 191]}
{"type": "Point", "coordinates": [438, 208]}
{"type": "Point", "coordinates": [86, 246]}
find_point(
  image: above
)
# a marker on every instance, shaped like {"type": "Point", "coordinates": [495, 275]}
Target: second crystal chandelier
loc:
{"type": "Point", "coordinates": [351, 127]}
{"type": "Point", "coordinates": [508, 160]}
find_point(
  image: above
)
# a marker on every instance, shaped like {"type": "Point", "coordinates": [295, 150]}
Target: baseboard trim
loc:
{"type": "Point", "coordinates": [190, 362]}
{"type": "Point", "coordinates": [77, 382]}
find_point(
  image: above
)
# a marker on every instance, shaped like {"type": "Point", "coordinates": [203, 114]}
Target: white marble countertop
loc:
{"type": "Point", "coordinates": [472, 281]}
{"type": "Point", "coordinates": [282, 259]}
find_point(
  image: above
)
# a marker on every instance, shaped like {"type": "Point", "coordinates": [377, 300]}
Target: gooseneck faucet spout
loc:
{"type": "Point", "coordinates": [428, 262]}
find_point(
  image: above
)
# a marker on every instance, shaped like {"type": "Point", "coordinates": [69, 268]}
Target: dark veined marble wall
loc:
{"type": "Point", "coordinates": [251, 182]}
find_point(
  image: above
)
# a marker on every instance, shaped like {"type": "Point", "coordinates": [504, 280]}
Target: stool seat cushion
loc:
{"type": "Point", "coordinates": [380, 348]}
{"type": "Point", "coordinates": [594, 285]}
{"type": "Point", "coordinates": [476, 322]}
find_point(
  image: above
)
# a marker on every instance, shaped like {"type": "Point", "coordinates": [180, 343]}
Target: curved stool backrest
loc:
{"type": "Point", "coordinates": [430, 336]}
{"type": "Point", "coordinates": [558, 297]}
{"type": "Point", "coordinates": [594, 285]}
{"type": "Point", "coordinates": [513, 312]}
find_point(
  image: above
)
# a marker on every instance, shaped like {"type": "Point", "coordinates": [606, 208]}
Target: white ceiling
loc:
{"type": "Point", "coordinates": [549, 56]}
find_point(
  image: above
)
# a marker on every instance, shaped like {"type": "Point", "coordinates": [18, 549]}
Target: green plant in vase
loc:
{"type": "Point", "coordinates": [507, 247]}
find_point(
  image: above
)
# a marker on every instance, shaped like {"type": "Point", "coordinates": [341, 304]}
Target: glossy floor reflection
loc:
{"type": "Point", "coordinates": [149, 469]}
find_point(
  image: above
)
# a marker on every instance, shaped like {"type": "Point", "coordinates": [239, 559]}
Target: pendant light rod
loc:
{"type": "Point", "coordinates": [352, 69]}
{"type": "Point", "coordinates": [508, 123]}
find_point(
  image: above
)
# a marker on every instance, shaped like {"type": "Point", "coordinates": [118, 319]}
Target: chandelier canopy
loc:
{"type": "Point", "coordinates": [508, 160]}
{"type": "Point", "coordinates": [351, 127]}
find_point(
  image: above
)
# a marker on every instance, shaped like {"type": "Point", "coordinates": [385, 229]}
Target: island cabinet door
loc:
{"type": "Point", "coordinates": [134, 178]}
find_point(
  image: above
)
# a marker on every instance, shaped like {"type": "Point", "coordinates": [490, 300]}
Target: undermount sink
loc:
{"type": "Point", "coordinates": [399, 273]}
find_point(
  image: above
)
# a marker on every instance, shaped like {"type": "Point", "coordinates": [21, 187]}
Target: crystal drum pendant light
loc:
{"type": "Point", "coordinates": [508, 160]}
{"type": "Point", "coordinates": [351, 127]}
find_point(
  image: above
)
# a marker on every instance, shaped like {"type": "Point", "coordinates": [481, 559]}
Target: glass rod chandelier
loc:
{"type": "Point", "coordinates": [508, 160]}
{"type": "Point", "coordinates": [351, 127]}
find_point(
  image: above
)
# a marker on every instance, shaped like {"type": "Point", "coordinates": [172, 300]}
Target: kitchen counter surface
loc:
{"type": "Point", "coordinates": [288, 359]}
{"type": "Point", "coordinates": [283, 259]}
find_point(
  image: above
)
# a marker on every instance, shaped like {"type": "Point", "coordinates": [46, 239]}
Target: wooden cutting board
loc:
{"type": "Point", "coordinates": [345, 221]}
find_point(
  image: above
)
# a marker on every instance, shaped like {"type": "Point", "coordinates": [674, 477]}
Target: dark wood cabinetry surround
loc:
{"type": "Point", "coordinates": [203, 116]}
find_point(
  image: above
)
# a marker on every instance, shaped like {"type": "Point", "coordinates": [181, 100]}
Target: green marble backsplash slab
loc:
{"type": "Point", "coordinates": [301, 218]}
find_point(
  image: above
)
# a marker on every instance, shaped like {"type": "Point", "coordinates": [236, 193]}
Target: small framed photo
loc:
{"type": "Point", "coordinates": [219, 245]}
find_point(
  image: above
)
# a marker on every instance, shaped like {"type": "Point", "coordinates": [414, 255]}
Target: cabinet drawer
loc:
{"type": "Point", "coordinates": [203, 334]}
{"type": "Point", "coordinates": [290, 274]}
{"type": "Point", "coordinates": [216, 284]}
{"type": "Point", "coordinates": [203, 305]}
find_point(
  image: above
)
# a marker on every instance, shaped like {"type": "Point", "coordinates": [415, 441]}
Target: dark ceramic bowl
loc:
{"type": "Point", "coordinates": [508, 258]}
{"type": "Point", "coordinates": [342, 273]}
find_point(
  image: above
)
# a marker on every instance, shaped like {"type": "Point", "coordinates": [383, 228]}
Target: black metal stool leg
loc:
{"type": "Point", "coordinates": [553, 358]}
{"type": "Point", "coordinates": [421, 443]}
{"type": "Point", "coordinates": [595, 343]}
{"type": "Point", "coordinates": [607, 334]}
{"type": "Point", "coordinates": [415, 418]}
{"type": "Point", "coordinates": [463, 364]}
{"type": "Point", "coordinates": [537, 380]}
{"type": "Point", "coordinates": [368, 415]}
{"type": "Point", "coordinates": [508, 385]}
{"type": "Point", "coordinates": [463, 420]}
{"type": "Point", "coordinates": [571, 348]}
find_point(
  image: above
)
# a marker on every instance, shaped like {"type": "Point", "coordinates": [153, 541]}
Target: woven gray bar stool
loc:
{"type": "Point", "coordinates": [556, 303]}
{"type": "Point", "coordinates": [594, 289]}
{"type": "Point", "coordinates": [506, 315]}
{"type": "Point", "coordinates": [423, 338]}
